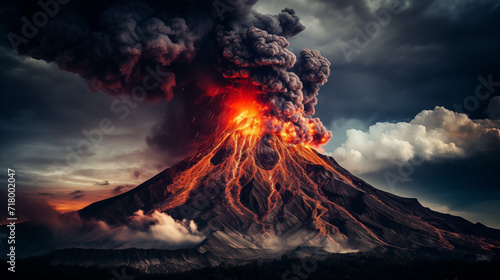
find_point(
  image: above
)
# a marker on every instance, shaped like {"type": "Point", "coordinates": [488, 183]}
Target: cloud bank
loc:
{"type": "Point", "coordinates": [431, 135]}
{"type": "Point", "coordinates": [158, 230]}
{"type": "Point", "coordinates": [147, 231]}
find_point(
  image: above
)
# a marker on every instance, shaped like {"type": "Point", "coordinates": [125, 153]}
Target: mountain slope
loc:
{"type": "Point", "coordinates": [255, 197]}
{"type": "Point", "coordinates": [259, 193]}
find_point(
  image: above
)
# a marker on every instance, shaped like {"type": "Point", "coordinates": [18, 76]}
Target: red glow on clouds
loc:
{"type": "Point", "coordinates": [246, 102]}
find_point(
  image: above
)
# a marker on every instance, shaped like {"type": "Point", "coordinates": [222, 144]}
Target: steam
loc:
{"type": "Point", "coordinates": [194, 54]}
{"type": "Point", "coordinates": [155, 230]}
{"type": "Point", "coordinates": [158, 230]}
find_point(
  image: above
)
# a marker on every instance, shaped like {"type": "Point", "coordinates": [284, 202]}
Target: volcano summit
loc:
{"type": "Point", "coordinates": [248, 196]}
{"type": "Point", "coordinates": [253, 187]}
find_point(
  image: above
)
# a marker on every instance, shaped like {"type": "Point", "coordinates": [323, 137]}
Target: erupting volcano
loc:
{"type": "Point", "coordinates": [253, 186]}
{"type": "Point", "coordinates": [253, 195]}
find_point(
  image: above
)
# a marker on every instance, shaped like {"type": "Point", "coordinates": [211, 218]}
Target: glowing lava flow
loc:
{"type": "Point", "coordinates": [242, 156]}
{"type": "Point", "coordinates": [294, 126]}
{"type": "Point", "coordinates": [250, 125]}
{"type": "Point", "coordinates": [259, 176]}
{"type": "Point", "coordinates": [266, 187]}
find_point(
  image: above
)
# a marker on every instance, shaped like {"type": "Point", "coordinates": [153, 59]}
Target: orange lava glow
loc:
{"type": "Point", "coordinates": [288, 133]}
{"type": "Point", "coordinates": [64, 206]}
{"type": "Point", "coordinates": [244, 104]}
{"type": "Point", "coordinates": [246, 107]}
{"type": "Point", "coordinates": [251, 127]}
{"type": "Point", "coordinates": [238, 168]}
{"type": "Point", "coordinates": [243, 139]}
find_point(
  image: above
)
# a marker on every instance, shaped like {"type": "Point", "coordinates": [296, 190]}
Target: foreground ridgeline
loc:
{"type": "Point", "coordinates": [338, 267]}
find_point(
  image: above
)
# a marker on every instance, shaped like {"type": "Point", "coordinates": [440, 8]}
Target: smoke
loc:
{"type": "Point", "coordinates": [116, 50]}
{"type": "Point", "coordinates": [313, 70]}
{"type": "Point", "coordinates": [192, 54]}
{"type": "Point", "coordinates": [158, 230]}
{"type": "Point", "coordinates": [263, 58]}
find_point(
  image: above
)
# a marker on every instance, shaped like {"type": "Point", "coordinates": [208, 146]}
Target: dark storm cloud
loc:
{"type": "Point", "coordinates": [40, 98]}
{"type": "Point", "coordinates": [77, 194]}
{"type": "Point", "coordinates": [103, 183]}
{"type": "Point", "coordinates": [428, 54]}
{"type": "Point", "coordinates": [493, 110]}
{"type": "Point", "coordinates": [45, 194]}
{"type": "Point", "coordinates": [44, 112]}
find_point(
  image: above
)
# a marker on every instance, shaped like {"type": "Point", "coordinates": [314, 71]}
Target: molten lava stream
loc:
{"type": "Point", "coordinates": [242, 139]}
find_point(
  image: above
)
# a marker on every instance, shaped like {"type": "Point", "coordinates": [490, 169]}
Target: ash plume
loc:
{"type": "Point", "coordinates": [193, 51]}
{"type": "Point", "coordinates": [264, 58]}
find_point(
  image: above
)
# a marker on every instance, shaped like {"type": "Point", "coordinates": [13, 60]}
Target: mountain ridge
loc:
{"type": "Point", "coordinates": [256, 197]}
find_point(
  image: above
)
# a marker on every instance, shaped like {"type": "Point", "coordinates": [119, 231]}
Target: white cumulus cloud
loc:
{"type": "Point", "coordinates": [432, 134]}
{"type": "Point", "coordinates": [158, 230]}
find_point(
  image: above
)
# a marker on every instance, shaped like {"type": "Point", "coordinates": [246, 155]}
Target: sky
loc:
{"type": "Point", "coordinates": [412, 100]}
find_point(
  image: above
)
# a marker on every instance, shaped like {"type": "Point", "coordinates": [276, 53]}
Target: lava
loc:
{"type": "Point", "coordinates": [244, 158]}
{"type": "Point", "coordinates": [247, 102]}
{"type": "Point", "coordinates": [260, 172]}
{"type": "Point", "coordinates": [242, 144]}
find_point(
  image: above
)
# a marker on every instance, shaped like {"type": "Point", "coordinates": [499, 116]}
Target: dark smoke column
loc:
{"type": "Point", "coordinates": [291, 85]}
{"type": "Point", "coordinates": [116, 45]}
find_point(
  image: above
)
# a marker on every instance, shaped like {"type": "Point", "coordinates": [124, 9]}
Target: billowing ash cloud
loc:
{"type": "Point", "coordinates": [313, 70]}
{"type": "Point", "coordinates": [171, 50]}
{"type": "Point", "coordinates": [114, 47]}
{"type": "Point", "coordinates": [262, 58]}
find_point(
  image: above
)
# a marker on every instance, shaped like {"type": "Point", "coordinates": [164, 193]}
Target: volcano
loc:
{"type": "Point", "coordinates": [258, 197]}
